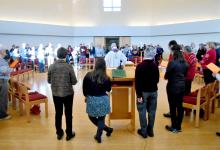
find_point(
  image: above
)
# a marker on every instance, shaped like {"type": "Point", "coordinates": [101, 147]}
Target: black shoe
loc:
{"type": "Point", "coordinates": [98, 139]}
{"type": "Point", "coordinates": [167, 115]}
{"type": "Point", "coordinates": [171, 129]}
{"type": "Point", "coordinates": [109, 131]}
{"type": "Point", "coordinates": [150, 132]}
{"type": "Point", "coordinates": [218, 133]}
{"type": "Point", "coordinates": [60, 136]}
{"type": "Point", "coordinates": [141, 134]}
{"type": "Point", "coordinates": [69, 137]}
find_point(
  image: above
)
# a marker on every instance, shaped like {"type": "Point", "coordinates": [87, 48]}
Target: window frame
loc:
{"type": "Point", "coordinates": [112, 7]}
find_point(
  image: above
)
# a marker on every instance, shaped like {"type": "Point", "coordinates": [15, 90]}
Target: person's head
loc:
{"type": "Point", "coordinates": [187, 49]}
{"type": "Point", "coordinates": [114, 47]}
{"type": "Point", "coordinates": [210, 45]}
{"type": "Point", "coordinates": [193, 45]}
{"type": "Point", "coordinates": [177, 54]}
{"type": "Point", "coordinates": [149, 53]}
{"type": "Point", "coordinates": [23, 45]}
{"type": "Point", "coordinates": [2, 51]}
{"type": "Point", "coordinates": [99, 74]}
{"type": "Point", "coordinates": [61, 53]}
{"type": "Point", "coordinates": [172, 43]}
{"type": "Point", "coordinates": [201, 45]}
{"type": "Point", "coordinates": [100, 64]}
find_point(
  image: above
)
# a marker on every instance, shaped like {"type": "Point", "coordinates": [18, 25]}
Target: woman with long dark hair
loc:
{"type": "Point", "coordinates": [95, 85]}
{"type": "Point", "coordinates": [175, 74]}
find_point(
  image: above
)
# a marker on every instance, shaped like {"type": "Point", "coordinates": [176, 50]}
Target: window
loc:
{"type": "Point", "coordinates": [112, 5]}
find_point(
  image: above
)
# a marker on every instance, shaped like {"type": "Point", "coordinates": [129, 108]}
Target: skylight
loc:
{"type": "Point", "coordinates": [112, 5]}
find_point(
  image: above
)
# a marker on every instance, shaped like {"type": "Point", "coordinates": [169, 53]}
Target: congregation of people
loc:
{"type": "Point", "coordinates": [180, 73]}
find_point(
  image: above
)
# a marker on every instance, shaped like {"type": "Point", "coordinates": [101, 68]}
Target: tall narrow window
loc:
{"type": "Point", "coordinates": [112, 5]}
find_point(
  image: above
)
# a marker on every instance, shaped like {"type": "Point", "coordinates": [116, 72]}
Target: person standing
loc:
{"type": "Point", "coordinates": [147, 72]}
{"type": "Point", "coordinates": [217, 76]}
{"type": "Point", "coordinates": [175, 74]}
{"type": "Point", "coordinates": [115, 57]}
{"type": "Point", "coordinates": [4, 76]}
{"type": "Point", "coordinates": [201, 52]}
{"type": "Point", "coordinates": [210, 57]}
{"type": "Point", "coordinates": [170, 45]}
{"type": "Point", "coordinates": [191, 60]}
{"type": "Point", "coordinates": [61, 76]}
{"type": "Point", "coordinates": [96, 84]}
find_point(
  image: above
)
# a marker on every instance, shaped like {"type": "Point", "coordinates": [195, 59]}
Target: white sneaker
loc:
{"type": "Point", "coordinates": [6, 117]}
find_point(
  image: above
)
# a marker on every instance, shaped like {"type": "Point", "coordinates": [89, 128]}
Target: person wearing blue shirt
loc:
{"type": "Point", "coordinates": [4, 76]}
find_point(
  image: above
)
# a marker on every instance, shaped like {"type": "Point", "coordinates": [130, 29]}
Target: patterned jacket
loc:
{"type": "Point", "coordinates": [61, 76]}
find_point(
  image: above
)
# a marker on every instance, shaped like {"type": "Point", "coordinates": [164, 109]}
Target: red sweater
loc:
{"type": "Point", "coordinates": [191, 60]}
{"type": "Point", "coordinates": [210, 57]}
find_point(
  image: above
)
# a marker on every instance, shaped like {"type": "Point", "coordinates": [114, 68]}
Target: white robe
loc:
{"type": "Point", "coordinates": [113, 59]}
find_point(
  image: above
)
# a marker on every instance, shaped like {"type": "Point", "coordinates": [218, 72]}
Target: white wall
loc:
{"type": "Point", "coordinates": [34, 34]}
{"type": "Point", "coordinates": [35, 40]}
{"type": "Point", "coordinates": [181, 39]}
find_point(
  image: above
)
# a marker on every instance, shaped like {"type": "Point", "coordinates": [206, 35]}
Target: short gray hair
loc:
{"type": "Point", "coordinates": [188, 48]}
{"type": "Point", "coordinates": [61, 53]}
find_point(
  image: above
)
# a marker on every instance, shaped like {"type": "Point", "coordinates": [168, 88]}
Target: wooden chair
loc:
{"type": "Point", "coordinates": [10, 91]}
{"type": "Point", "coordinates": [197, 100]}
{"type": "Point", "coordinates": [90, 63]}
{"type": "Point", "coordinates": [13, 92]}
{"type": "Point", "coordinates": [29, 99]}
{"type": "Point", "coordinates": [212, 96]}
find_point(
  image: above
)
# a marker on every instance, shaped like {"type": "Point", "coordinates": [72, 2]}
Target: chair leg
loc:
{"type": "Point", "coordinates": [191, 115]}
{"type": "Point", "coordinates": [21, 108]}
{"type": "Point", "coordinates": [213, 106]}
{"type": "Point", "coordinates": [206, 116]}
{"type": "Point", "coordinates": [13, 100]}
{"type": "Point", "coordinates": [27, 108]}
{"type": "Point", "coordinates": [197, 117]}
{"type": "Point", "coordinates": [46, 109]}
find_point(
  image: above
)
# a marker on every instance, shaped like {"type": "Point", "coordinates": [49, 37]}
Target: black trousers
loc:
{"type": "Point", "coordinates": [188, 85]}
{"type": "Point", "coordinates": [176, 109]}
{"type": "Point", "coordinates": [208, 78]}
{"type": "Point", "coordinates": [67, 104]}
{"type": "Point", "coordinates": [100, 123]}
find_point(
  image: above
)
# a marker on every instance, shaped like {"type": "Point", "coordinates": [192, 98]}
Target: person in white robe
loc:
{"type": "Point", "coordinates": [49, 51]}
{"type": "Point", "coordinates": [115, 57]}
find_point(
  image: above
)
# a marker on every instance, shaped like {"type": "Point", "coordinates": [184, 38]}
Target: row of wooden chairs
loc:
{"type": "Point", "coordinates": [205, 98]}
{"type": "Point", "coordinates": [20, 92]}
{"type": "Point", "coordinates": [21, 73]}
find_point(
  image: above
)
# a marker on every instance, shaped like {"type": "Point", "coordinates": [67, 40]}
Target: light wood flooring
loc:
{"type": "Point", "coordinates": [17, 134]}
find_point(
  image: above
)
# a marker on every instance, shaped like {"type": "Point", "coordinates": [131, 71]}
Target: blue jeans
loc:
{"type": "Point", "coordinates": [3, 97]}
{"type": "Point", "coordinates": [149, 105]}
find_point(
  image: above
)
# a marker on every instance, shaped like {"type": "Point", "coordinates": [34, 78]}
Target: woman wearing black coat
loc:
{"type": "Point", "coordinates": [175, 74]}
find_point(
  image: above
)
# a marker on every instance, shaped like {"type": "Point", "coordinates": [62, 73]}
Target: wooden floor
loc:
{"type": "Point", "coordinates": [40, 134]}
